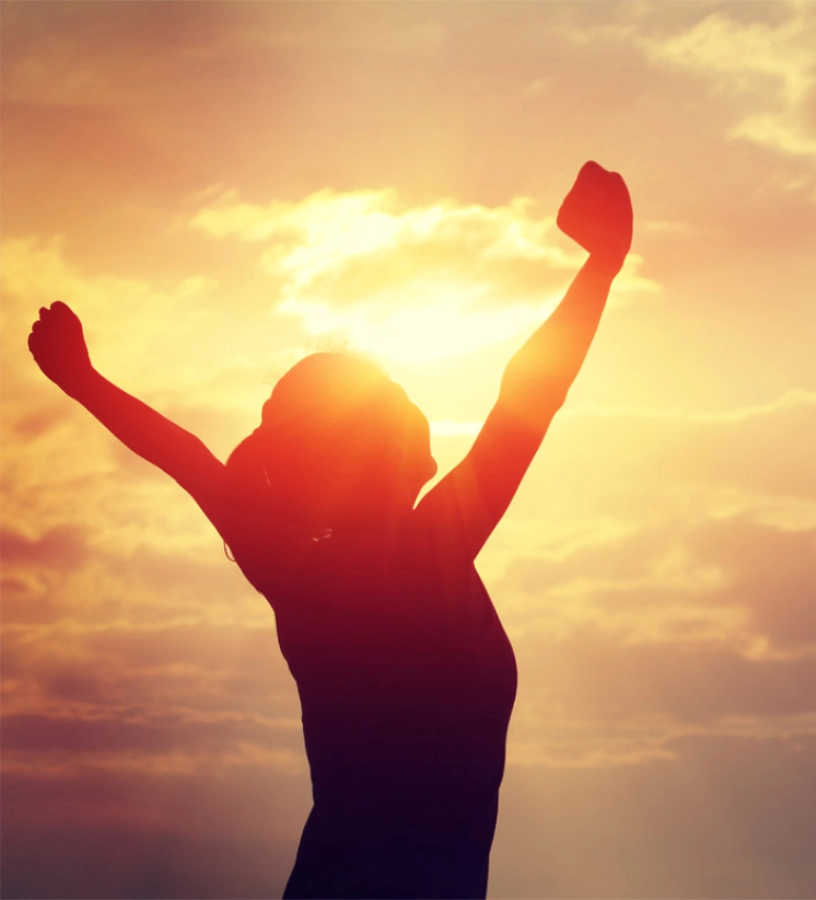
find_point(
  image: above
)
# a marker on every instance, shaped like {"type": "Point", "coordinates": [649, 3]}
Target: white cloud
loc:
{"type": "Point", "coordinates": [410, 283]}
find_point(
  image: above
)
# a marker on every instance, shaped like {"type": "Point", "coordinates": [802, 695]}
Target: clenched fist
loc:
{"type": "Point", "coordinates": [58, 346]}
{"type": "Point", "coordinates": [597, 213]}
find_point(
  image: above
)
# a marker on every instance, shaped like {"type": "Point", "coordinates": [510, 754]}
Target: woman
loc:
{"type": "Point", "coordinates": [406, 677]}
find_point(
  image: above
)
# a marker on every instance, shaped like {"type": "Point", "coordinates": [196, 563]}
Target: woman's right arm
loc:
{"type": "Point", "coordinates": [469, 502]}
{"type": "Point", "coordinates": [58, 347]}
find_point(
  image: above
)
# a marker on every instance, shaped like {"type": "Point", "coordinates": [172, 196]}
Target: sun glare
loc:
{"type": "Point", "coordinates": [409, 284]}
{"type": "Point", "coordinates": [417, 334]}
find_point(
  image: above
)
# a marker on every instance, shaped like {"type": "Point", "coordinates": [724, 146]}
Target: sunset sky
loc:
{"type": "Point", "coordinates": [219, 188]}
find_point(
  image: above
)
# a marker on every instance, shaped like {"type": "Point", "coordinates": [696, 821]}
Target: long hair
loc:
{"type": "Point", "coordinates": [334, 431]}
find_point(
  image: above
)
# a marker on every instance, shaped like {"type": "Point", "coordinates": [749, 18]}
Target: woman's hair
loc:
{"type": "Point", "coordinates": [335, 430]}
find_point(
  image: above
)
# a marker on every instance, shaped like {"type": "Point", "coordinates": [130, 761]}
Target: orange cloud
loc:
{"type": "Point", "coordinates": [770, 60]}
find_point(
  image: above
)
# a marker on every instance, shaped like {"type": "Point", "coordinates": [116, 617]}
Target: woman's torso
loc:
{"type": "Point", "coordinates": [406, 680]}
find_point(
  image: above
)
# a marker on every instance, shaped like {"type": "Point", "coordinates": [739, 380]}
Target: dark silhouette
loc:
{"type": "Point", "coordinates": [406, 677]}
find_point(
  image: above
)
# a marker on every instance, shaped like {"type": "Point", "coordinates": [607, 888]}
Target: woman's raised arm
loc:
{"type": "Point", "coordinates": [58, 347]}
{"type": "Point", "coordinates": [472, 498]}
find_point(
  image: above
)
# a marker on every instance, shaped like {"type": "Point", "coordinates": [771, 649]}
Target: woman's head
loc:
{"type": "Point", "coordinates": [337, 436]}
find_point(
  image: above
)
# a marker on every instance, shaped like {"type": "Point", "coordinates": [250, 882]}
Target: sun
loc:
{"type": "Point", "coordinates": [447, 328]}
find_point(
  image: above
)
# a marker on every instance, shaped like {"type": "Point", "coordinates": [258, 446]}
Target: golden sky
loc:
{"type": "Point", "coordinates": [219, 188]}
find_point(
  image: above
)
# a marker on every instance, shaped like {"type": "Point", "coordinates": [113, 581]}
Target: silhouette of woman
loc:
{"type": "Point", "coordinates": [405, 675]}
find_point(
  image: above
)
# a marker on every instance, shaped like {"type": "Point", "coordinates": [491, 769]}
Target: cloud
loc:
{"type": "Point", "coordinates": [643, 466]}
{"type": "Point", "coordinates": [768, 62]}
{"type": "Point", "coordinates": [409, 282]}
{"type": "Point", "coordinates": [161, 741]}
{"type": "Point", "coordinates": [134, 328]}
{"type": "Point", "coordinates": [675, 580]}
{"type": "Point", "coordinates": [151, 834]}
{"type": "Point", "coordinates": [795, 398]}
{"type": "Point", "coordinates": [75, 60]}
{"type": "Point", "coordinates": [658, 577]}
{"type": "Point", "coordinates": [727, 816]}
{"type": "Point", "coordinates": [772, 577]}
{"type": "Point", "coordinates": [610, 686]}
{"type": "Point", "coordinates": [36, 272]}
{"type": "Point", "coordinates": [62, 547]}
